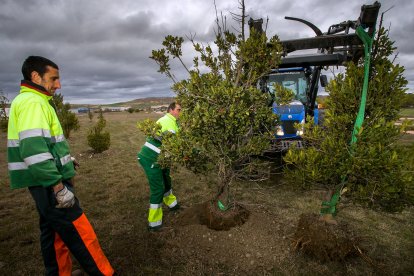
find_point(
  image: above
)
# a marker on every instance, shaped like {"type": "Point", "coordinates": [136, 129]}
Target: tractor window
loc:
{"type": "Point", "coordinates": [295, 80]}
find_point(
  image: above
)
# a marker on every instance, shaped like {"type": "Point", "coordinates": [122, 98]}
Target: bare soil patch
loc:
{"type": "Point", "coordinates": [208, 214]}
{"type": "Point", "coordinates": [326, 242]}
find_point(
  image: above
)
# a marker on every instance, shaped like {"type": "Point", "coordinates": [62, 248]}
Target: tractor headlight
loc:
{"type": "Point", "coordinates": [300, 130]}
{"type": "Point", "coordinates": [279, 131]}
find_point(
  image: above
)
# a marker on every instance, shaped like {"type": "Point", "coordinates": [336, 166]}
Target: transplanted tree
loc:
{"type": "Point", "coordinates": [376, 170]}
{"type": "Point", "coordinates": [225, 119]}
{"type": "Point", "coordinates": [353, 154]}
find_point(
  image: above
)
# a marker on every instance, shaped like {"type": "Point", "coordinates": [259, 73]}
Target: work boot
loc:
{"type": "Point", "coordinates": [175, 208]}
{"type": "Point", "coordinates": [155, 228]}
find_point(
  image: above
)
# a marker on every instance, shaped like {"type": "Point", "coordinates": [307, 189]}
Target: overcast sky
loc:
{"type": "Point", "coordinates": [102, 46]}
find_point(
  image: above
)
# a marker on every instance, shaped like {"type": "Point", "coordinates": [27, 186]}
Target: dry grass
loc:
{"type": "Point", "coordinates": [114, 194]}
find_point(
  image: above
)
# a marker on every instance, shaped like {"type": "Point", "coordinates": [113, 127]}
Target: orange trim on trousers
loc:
{"type": "Point", "coordinates": [62, 257]}
{"type": "Point", "coordinates": [90, 240]}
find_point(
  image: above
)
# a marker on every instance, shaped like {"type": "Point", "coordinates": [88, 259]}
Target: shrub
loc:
{"type": "Point", "coordinates": [90, 115]}
{"type": "Point", "coordinates": [67, 119]}
{"type": "Point", "coordinates": [4, 120]}
{"type": "Point", "coordinates": [98, 139]}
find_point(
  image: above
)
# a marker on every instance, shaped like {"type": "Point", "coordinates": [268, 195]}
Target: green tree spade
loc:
{"type": "Point", "coordinates": [226, 119]}
{"type": "Point", "coordinates": [377, 169]}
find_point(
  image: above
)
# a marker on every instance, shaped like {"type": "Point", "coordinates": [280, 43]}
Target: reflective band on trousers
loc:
{"type": "Point", "coordinates": [36, 132]}
{"type": "Point", "coordinates": [173, 204]}
{"type": "Point", "coordinates": [57, 139]}
{"type": "Point", "coordinates": [154, 224]}
{"type": "Point", "coordinates": [151, 146]}
{"type": "Point", "coordinates": [13, 143]}
{"type": "Point", "coordinates": [155, 206]}
{"type": "Point", "coordinates": [34, 159]}
{"type": "Point", "coordinates": [65, 159]}
{"type": "Point", "coordinates": [15, 166]}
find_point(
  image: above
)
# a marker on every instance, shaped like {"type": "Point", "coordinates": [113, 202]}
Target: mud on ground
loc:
{"type": "Point", "coordinates": [265, 244]}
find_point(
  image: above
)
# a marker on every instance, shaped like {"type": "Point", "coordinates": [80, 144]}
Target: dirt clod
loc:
{"type": "Point", "coordinates": [208, 214]}
{"type": "Point", "coordinates": [325, 242]}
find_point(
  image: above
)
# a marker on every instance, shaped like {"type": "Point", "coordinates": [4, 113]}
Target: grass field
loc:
{"type": "Point", "coordinates": [407, 112]}
{"type": "Point", "coordinates": [114, 194]}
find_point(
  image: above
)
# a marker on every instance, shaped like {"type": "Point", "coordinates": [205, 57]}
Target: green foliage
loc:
{"type": "Point", "coordinates": [225, 118]}
{"type": "Point", "coordinates": [90, 115]}
{"type": "Point", "coordinates": [67, 119]}
{"type": "Point", "coordinates": [408, 101]}
{"type": "Point", "coordinates": [283, 95]}
{"type": "Point", "coordinates": [4, 120]}
{"type": "Point", "coordinates": [130, 110]}
{"type": "Point", "coordinates": [376, 167]}
{"type": "Point", "coordinates": [98, 139]}
{"type": "Point", "coordinates": [149, 128]}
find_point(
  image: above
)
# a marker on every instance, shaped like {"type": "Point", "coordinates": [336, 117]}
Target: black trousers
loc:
{"type": "Point", "coordinates": [67, 229]}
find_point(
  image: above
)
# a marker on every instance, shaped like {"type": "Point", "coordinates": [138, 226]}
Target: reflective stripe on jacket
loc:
{"type": "Point", "coordinates": [38, 153]}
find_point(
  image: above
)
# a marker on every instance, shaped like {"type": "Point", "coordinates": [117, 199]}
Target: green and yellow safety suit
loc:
{"type": "Point", "coordinates": [158, 178]}
{"type": "Point", "coordinates": [38, 153]}
{"type": "Point", "coordinates": [39, 158]}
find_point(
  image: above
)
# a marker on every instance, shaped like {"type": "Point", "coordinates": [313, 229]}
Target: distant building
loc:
{"type": "Point", "coordinates": [115, 108]}
{"type": "Point", "coordinates": [159, 108]}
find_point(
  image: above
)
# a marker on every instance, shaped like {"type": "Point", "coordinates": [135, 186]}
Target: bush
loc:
{"type": "Point", "coordinates": [67, 119]}
{"type": "Point", "coordinates": [408, 101]}
{"type": "Point", "coordinates": [98, 139]}
{"type": "Point", "coordinates": [4, 120]}
{"type": "Point", "coordinates": [4, 124]}
{"type": "Point", "coordinates": [90, 115]}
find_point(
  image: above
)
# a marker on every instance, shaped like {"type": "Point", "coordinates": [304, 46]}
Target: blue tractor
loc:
{"type": "Point", "coordinates": [302, 73]}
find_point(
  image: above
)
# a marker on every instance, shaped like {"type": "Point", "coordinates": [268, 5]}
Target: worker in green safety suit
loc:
{"type": "Point", "coordinates": [39, 159]}
{"type": "Point", "coordinates": [159, 178]}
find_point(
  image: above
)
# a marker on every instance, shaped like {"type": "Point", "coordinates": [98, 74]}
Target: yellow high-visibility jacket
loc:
{"type": "Point", "coordinates": [151, 148]}
{"type": "Point", "coordinates": [38, 153]}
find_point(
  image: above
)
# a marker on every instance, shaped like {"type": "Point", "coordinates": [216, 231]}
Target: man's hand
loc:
{"type": "Point", "coordinates": [64, 197]}
{"type": "Point", "coordinates": [75, 163]}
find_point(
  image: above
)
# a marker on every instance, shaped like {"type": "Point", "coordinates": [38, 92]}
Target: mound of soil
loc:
{"type": "Point", "coordinates": [326, 242]}
{"type": "Point", "coordinates": [209, 214]}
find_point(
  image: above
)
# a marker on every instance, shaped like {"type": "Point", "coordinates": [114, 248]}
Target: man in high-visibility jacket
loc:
{"type": "Point", "coordinates": [159, 179]}
{"type": "Point", "coordinates": [39, 159]}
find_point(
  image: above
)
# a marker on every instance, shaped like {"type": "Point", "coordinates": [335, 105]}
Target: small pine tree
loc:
{"type": "Point", "coordinates": [98, 139]}
{"type": "Point", "coordinates": [68, 119]}
{"type": "Point", "coordinates": [90, 115]}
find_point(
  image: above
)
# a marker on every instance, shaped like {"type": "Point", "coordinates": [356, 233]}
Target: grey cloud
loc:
{"type": "Point", "coordinates": [103, 47]}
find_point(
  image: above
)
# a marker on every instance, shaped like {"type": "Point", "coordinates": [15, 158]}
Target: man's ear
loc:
{"type": "Point", "coordinates": [36, 77]}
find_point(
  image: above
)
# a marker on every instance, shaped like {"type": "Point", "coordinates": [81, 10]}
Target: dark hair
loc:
{"type": "Point", "coordinates": [38, 64]}
{"type": "Point", "coordinates": [172, 106]}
